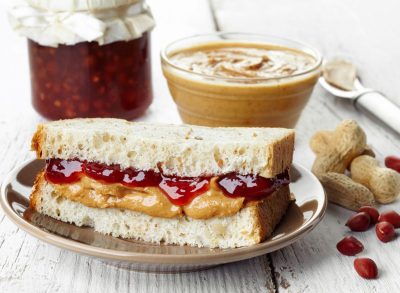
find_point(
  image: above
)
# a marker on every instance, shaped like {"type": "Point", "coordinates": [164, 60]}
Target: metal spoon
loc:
{"type": "Point", "coordinates": [369, 100]}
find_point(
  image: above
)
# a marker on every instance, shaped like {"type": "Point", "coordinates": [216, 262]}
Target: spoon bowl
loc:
{"type": "Point", "coordinates": [351, 95]}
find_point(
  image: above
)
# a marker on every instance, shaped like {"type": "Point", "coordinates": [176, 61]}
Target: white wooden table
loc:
{"type": "Point", "coordinates": [366, 31]}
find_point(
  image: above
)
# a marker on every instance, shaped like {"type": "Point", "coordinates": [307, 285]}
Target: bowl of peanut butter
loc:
{"type": "Point", "coordinates": [238, 79]}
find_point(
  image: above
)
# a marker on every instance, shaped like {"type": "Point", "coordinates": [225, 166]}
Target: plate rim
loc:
{"type": "Point", "coordinates": [223, 256]}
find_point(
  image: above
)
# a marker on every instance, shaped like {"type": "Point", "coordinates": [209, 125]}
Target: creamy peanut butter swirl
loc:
{"type": "Point", "coordinates": [149, 200]}
{"type": "Point", "coordinates": [240, 61]}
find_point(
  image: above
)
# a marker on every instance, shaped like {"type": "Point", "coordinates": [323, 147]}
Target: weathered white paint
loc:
{"type": "Point", "coordinates": [366, 31]}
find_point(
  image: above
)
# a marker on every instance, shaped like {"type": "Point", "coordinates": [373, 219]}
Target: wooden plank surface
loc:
{"type": "Point", "coordinates": [309, 265]}
{"type": "Point", "coordinates": [367, 32]}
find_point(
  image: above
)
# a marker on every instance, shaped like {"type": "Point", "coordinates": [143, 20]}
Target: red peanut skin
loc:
{"type": "Point", "coordinates": [393, 162]}
{"type": "Point", "coordinates": [349, 246]}
{"type": "Point", "coordinates": [366, 268]}
{"type": "Point", "coordinates": [372, 212]}
{"type": "Point", "coordinates": [392, 217]}
{"type": "Point", "coordinates": [385, 231]}
{"type": "Point", "coordinates": [359, 222]}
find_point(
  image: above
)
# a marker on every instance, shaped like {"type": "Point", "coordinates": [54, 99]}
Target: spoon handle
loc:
{"type": "Point", "coordinates": [381, 107]}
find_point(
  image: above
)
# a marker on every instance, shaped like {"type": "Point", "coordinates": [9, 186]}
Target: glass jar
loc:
{"type": "Point", "coordinates": [89, 80]}
{"type": "Point", "coordinates": [109, 76]}
{"type": "Point", "coordinates": [247, 99]}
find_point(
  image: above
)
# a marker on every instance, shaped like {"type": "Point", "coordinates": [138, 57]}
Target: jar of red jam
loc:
{"type": "Point", "coordinates": [88, 58]}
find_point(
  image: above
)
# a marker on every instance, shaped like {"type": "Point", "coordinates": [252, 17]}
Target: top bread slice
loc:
{"type": "Point", "coordinates": [183, 150]}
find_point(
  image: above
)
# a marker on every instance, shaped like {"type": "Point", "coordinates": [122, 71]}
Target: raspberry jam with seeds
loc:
{"type": "Point", "coordinates": [179, 190]}
{"type": "Point", "coordinates": [91, 80]}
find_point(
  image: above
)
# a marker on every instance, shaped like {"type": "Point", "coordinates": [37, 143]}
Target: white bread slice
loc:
{"type": "Point", "coordinates": [249, 226]}
{"type": "Point", "coordinates": [178, 149]}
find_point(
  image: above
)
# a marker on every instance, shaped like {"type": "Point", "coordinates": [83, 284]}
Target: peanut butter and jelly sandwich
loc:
{"type": "Point", "coordinates": [175, 184]}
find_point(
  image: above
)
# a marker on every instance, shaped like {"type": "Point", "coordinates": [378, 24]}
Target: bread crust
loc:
{"type": "Point", "coordinates": [36, 190]}
{"type": "Point", "coordinates": [270, 212]}
{"type": "Point", "coordinates": [176, 149]}
{"type": "Point", "coordinates": [38, 140]}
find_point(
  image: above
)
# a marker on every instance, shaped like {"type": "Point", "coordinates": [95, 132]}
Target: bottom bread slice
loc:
{"type": "Point", "coordinates": [251, 225]}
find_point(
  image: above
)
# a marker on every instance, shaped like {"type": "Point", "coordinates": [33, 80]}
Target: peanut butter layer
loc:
{"type": "Point", "coordinates": [149, 200]}
{"type": "Point", "coordinates": [243, 60]}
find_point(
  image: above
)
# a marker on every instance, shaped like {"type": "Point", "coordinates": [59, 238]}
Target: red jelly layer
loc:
{"type": "Point", "coordinates": [104, 173]}
{"type": "Point", "coordinates": [90, 80]}
{"type": "Point", "coordinates": [182, 190]}
{"type": "Point", "coordinates": [62, 171]}
{"type": "Point", "coordinates": [136, 178]}
{"type": "Point", "coordinates": [179, 190]}
{"type": "Point", "coordinates": [251, 186]}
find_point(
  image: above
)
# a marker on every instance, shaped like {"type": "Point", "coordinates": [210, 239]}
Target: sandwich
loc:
{"type": "Point", "coordinates": [172, 184]}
